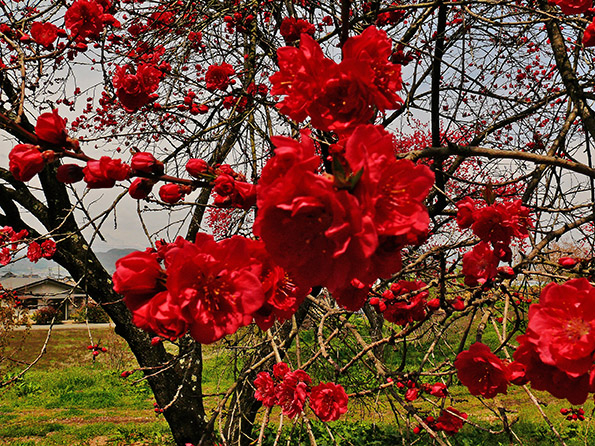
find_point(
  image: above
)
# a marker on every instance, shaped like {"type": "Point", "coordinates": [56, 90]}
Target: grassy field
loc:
{"type": "Point", "coordinates": [70, 399]}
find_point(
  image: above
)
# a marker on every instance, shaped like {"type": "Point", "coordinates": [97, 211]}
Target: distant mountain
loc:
{"type": "Point", "coordinates": [48, 268]}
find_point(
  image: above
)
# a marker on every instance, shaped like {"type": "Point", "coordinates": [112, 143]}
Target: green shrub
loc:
{"type": "Point", "coordinates": [91, 312]}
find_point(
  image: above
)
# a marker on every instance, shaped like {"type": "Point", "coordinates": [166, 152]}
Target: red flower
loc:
{"type": "Point", "coordinates": [217, 77]}
{"type": "Point", "coordinates": [5, 256]}
{"type": "Point", "coordinates": [589, 35]}
{"type": "Point", "coordinates": [84, 19]}
{"type": "Point", "coordinates": [557, 350]}
{"type": "Point", "coordinates": [480, 265]}
{"type": "Point", "coordinates": [500, 222]}
{"type": "Point", "coordinates": [567, 262]}
{"type": "Point", "coordinates": [342, 98]}
{"type": "Point", "coordinates": [134, 90]}
{"type": "Point", "coordinates": [48, 249]}
{"type": "Point", "coordinates": [572, 7]}
{"type": "Point", "coordinates": [292, 28]}
{"type": "Point", "coordinates": [172, 193]}
{"type": "Point", "coordinates": [562, 326]}
{"type": "Point", "coordinates": [328, 401]}
{"type": "Point", "coordinates": [147, 163]}
{"type": "Point", "coordinates": [399, 310]}
{"type": "Point", "coordinates": [162, 315]}
{"type": "Point", "coordinates": [482, 372]}
{"type": "Point", "coordinates": [25, 161]}
{"type": "Point", "coordinates": [217, 285]}
{"type": "Point", "coordinates": [530, 368]}
{"type": "Point", "coordinates": [411, 394]}
{"type": "Point", "coordinates": [437, 389]}
{"type": "Point", "coordinates": [51, 128]}
{"type": "Point", "coordinates": [70, 173]}
{"type": "Point", "coordinates": [44, 33]}
{"type": "Point", "coordinates": [34, 252]}
{"type": "Point", "coordinates": [140, 188]}
{"type": "Point", "coordinates": [449, 422]}
{"type": "Point", "coordinates": [265, 389]}
{"type": "Point", "coordinates": [337, 96]}
{"type": "Point", "coordinates": [299, 76]}
{"type": "Point", "coordinates": [138, 277]}
{"type": "Point", "coordinates": [395, 189]}
{"type": "Point", "coordinates": [232, 193]}
{"type": "Point", "coordinates": [197, 167]}
{"type": "Point", "coordinates": [331, 238]}
{"type": "Point", "coordinates": [465, 209]}
{"type": "Point", "coordinates": [280, 370]}
{"type": "Point", "coordinates": [373, 47]}
{"type": "Point", "coordinates": [292, 392]}
{"type": "Point", "coordinates": [105, 172]}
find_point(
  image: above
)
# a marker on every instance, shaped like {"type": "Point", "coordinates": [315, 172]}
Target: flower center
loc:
{"type": "Point", "coordinates": [577, 328]}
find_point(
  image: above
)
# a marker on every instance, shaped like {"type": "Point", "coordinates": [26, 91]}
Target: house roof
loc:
{"type": "Point", "coordinates": [27, 284]}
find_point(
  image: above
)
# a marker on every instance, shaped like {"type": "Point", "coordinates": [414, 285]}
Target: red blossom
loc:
{"type": "Point", "coordinates": [292, 28]}
{"type": "Point", "coordinates": [479, 265]}
{"type": "Point", "coordinates": [572, 7]}
{"type": "Point", "coordinates": [48, 248]}
{"type": "Point", "coordinates": [217, 77]}
{"type": "Point", "coordinates": [293, 392]}
{"type": "Point", "coordinates": [104, 173]}
{"type": "Point", "coordinates": [232, 193]}
{"type": "Point", "coordinates": [589, 35]}
{"type": "Point", "coordinates": [44, 33]}
{"type": "Point", "coordinates": [450, 421]}
{"type": "Point", "coordinates": [25, 161]}
{"type": "Point", "coordinates": [197, 167]}
{"type": "Point", "coordinates": [465, 209]}
{"type": "Point", "coordinates": [51, 128]}
{"type": "Point", "coordinates": [557, 349]}
{"type": "Point", "coordinates": [337, 96]}
{"type": "Point", "coordinates": [567, 262]}
{"type": "Point", "coordinates": [138, 277]}
{"type": "Point", "coordinates": [482, 372]}
{"type": "Point", "coordinates": [280, 370]}
{"type": "Point", "coordinates": [328, 401]}
{"type": "Point", "coordinates": [265, 389]}
{"type": "Point", "coordinates": [216, 285]}
{"type": "Point", "coordinates": [84, 19]}
{"type": "Point", "coordinates": [134, 90]}
{"type": "Point", "coordinates": [172, 193]}
{"type": "Point", "coordinates": [70, 173]}
{"type": "Point", "coordinates": [140, 188]}
{"type": "Point", "coordinates": [34, 252]}
{"type": "Point", "coordinates": [145, 162]}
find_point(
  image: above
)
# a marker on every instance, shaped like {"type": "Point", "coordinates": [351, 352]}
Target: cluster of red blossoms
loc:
{"type": "Point", "coordinates": [450, 422]}
{"type": "Point", "coordinates": [10, 242]}
{"type": "Point", "coordinates": [96, 349]}
{"type": "Point", "coordinates": [27, 160]}
{"type": "Point", "coordinates": [555, 354]}
{"type": "Point", "coordinates": [338, 96]}
{"type": "Point", "coordinates": [207, 288]}
{"type": "Point", "coordinates": [483, 373]}
{"type": "Point", "coordinates": [348, 228]}
{"type": "Point", "coordinates": [496, 224]}
{"type": "Point", "coordinates": [290, 390]}
{"type": "Point", "coordinates": [403, 303]}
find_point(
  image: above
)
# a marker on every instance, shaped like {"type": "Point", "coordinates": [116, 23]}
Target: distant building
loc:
{"type": "Point", "coordinates": [37, 292]}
